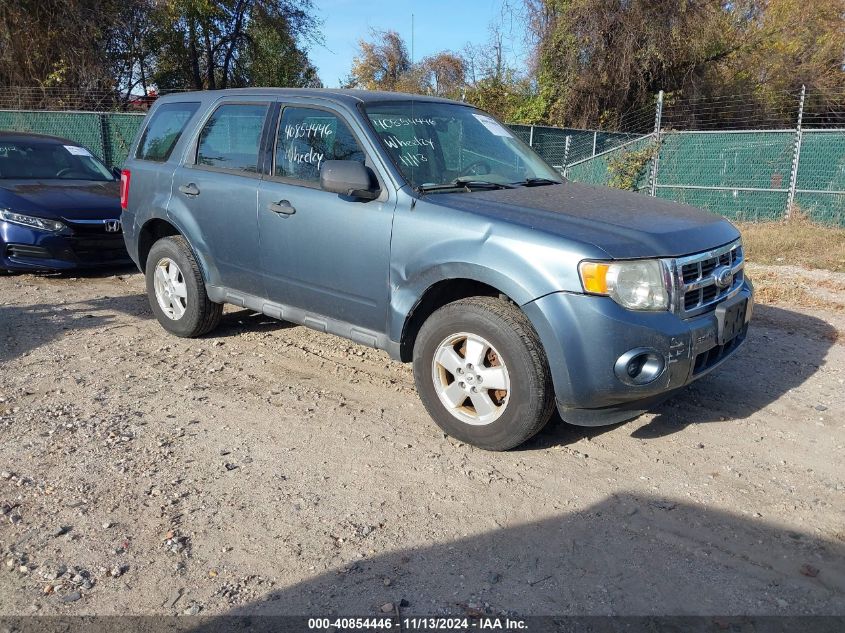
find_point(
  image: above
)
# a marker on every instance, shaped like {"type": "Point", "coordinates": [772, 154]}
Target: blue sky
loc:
{"type": "Point", "coordinates": [438, 25]}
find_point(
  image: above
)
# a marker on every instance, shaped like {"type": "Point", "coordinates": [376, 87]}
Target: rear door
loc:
{"type": "Point", "coordinates": [151, 169]}
{"type": "Point", "coordinates": [217, 187]}
{"type": "Point", "coordinates": [321, 252]}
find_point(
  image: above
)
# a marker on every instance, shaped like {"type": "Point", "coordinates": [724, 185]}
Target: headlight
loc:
{"type": "Point", "coordinates": [29, 221]}
{"type": "Point", "coordinates": [636, 285]}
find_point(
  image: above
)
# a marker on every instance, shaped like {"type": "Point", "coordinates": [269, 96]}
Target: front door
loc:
{"type": "Point", "coordinates": [323, 253]}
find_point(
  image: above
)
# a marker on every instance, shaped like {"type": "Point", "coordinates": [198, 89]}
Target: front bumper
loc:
{"type": "Point", "coordinates": [24, 249]}
{"type": "Point", "coordinates": [583, 337]}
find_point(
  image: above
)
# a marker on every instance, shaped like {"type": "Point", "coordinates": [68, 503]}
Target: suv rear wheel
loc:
{"type": "Point", "coordinates": [482, 374]}
{"type": "Point", "coordinates": [176, 289]}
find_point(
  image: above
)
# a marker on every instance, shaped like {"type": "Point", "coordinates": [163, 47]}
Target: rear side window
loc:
{"type": "Point", "coordinates": [163, 131]}
{"type": "Point", "coordinates": [306, 138]}
{"type": "Point", "coordinates": [231, 137]}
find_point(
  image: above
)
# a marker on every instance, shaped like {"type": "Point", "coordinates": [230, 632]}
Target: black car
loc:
{"type": "Point", "coordinates": [59, 206]}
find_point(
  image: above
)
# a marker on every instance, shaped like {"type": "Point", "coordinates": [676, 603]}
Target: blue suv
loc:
{"type": "Point", "coordinates": [425, 228]}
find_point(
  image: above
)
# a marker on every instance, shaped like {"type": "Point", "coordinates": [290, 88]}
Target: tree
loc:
{"type": "Point", "coordinates": [443, 74]}
{"type": "Point", "coordinates": [273, 58]}
{"type": "Point", "coordinates": [96, 53]}
{"type": "Point", "coordinates": [598, 61]}
{"type": "Point", "coordinates": [480, 75]}
{"type": "Point", "coordinates": [381, 63]}
{"type": "Point", "coordinates": [798, 43]}
{"type": "Point", "coordinates": [55, 44]}
{"type": "Point", "coordinates": [216, 44]}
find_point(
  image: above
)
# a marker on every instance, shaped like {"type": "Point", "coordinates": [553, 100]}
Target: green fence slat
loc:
{"type": "Point", "coordinates": [121, 131]}
{"type": "Point", "coordinates": [744, 206]}
{"type": "Point", "coordinates": [724, 164]}
{"type": "Point", "coordinates": [83, 128]}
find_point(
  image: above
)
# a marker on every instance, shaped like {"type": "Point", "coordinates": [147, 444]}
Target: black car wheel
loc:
{"type": "Point", "coordinates": [176, 289]}
{"type": "Point", "coordinates": [482, 374]}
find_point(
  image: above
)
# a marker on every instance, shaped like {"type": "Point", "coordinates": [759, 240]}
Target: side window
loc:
{"type": "Point", "coordinates": [163, 131]}
{"type": "Point", "coordinates": [306, 138]}
{"type": "Point", "coordinates": [230, 139]}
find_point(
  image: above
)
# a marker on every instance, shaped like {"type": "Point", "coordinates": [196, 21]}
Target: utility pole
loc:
{"type": "Point", "coordinates": [412, 38]}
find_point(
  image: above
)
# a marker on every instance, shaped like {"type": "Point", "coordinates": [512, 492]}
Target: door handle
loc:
{"type": "Point", "coordinates": [190, 189]}
{"type": "Point", "coordinates": [282, 206]}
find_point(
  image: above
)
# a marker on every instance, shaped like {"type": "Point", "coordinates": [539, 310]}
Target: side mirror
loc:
{"type": "Point", "coordinates": [348, 178]}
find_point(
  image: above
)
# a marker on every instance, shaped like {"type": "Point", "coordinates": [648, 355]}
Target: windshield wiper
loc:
{"type": "Point", "coordinates": [537, 182]}
{"type": "Point", "coordinates": [466, 183]}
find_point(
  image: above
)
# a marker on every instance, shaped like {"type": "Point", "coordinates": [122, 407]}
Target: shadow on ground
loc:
{"type": "Point", "coordinates": [784, 349]}
{"type": "Point", "coordinates": [241, 321]}
{"type": "Point", "coordinates": [27, 327]}
{"type": "Point", "coordinates": [79, 273]}
{"type": "Point", "coordinates": [628, 555]}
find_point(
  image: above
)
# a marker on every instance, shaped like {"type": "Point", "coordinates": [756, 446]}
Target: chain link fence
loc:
{"type": "Point", "coordinates": [744, 174]}
{"type": "Point", "coordinates": [747, 175]}
{"type": "Point", "coordinates": [753, 173]}
{"type": "Point", "coordinates": [107, 134]}
{"type": "Point", "coordinates": [560, 146]}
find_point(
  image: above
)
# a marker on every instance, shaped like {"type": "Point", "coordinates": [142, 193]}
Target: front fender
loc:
{"type": "Point", "coordinates": [433, 242]}
{"type": "Point", "coordinates": [405, 297]}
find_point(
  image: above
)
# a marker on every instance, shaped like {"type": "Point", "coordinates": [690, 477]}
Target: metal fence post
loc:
{"type": "Point", "coordinates": [531, 137]}
{"type": "Point", "coordinates": [595, 138]}
{"type": "Point", "coordinates": [105, 139]}
{"type": "Point", "coordinates": [658, 118]}
{"type": "Point", "coordinates": [566, 153]}
{"type": "Point", "coordinates": [796, 155]}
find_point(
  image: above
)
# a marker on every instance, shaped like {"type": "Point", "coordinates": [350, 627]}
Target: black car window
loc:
{"type": "Point", "coordinates": [231, 137]}
{"type": "Point", "coordinates": [306, 138]}
{"type": "Point", "coordinates": [46, 160]}
{"type": "Point", "coordinates": [164, 129]}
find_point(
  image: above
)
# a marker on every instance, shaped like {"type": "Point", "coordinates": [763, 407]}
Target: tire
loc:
{"type": "Point", "coordinates": [497, 332]}
{"type": "Point", "coordinates": [182, 307]}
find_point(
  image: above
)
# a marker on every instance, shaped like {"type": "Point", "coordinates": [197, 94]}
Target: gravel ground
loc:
{"type": "Point", "coordinates": [268, 468]}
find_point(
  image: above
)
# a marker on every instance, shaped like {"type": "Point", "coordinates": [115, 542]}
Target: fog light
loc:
{"type": "Point", "coordinates": [639, 366]}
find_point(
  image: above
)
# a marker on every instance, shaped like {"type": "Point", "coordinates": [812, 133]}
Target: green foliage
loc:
{"type": "Point", "coordinates": [207, 44]}
{"type": "Point", "coordinates": [601, 60]}
{"type": "Point", "coordinates": [627, 169]}
{"type": "Point", "coordinates": [127, 45]}
{"type": "Point", "coordinates": [274, 59]}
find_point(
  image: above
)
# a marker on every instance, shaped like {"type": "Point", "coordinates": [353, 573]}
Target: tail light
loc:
{"type": "Point", "coordinates": [124, 189]}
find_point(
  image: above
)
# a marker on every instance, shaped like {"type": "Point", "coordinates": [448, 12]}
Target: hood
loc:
{"type": "Point", "coordinates": [621, 223]}
{"type": "Point", "coordinates": [62, 200]}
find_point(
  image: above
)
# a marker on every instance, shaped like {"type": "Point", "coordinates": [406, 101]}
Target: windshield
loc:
{"type": "Point", "coordinates": [443, 143]}
{"type": "Point", "coordinates": [40, 160]}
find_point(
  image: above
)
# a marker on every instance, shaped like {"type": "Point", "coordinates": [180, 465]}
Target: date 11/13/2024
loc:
{"type": "Point", "coordinates": [419, 623]}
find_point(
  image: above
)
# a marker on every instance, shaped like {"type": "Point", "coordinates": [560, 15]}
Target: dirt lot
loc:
{"type": "Point", "coordinates": [272, 469]}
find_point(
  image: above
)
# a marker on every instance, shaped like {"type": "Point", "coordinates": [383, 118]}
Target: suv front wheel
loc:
{"type": "Point", "coordinates": [482, 374]}
{"type": "Point", "coordinates": [176, 289]}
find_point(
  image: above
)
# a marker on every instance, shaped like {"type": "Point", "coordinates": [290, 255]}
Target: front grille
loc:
{"type": "Point", "coordinates": [714, 355]}
{"type": "Point", "coordinates": [698, 291]}
{"type": "Point", "coordinates": [100, 250]}
{"type": "Point", "coordinates": [88, 227]}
